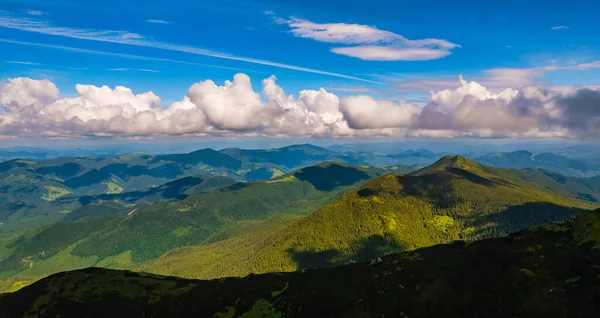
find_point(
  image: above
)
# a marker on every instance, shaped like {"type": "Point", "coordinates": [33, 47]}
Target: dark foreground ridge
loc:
{"type": "Point", "coordinates": [547, 271]}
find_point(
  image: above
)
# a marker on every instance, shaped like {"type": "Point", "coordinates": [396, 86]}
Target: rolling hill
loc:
{"type": "Point", "coordinates": [140, 232]}
{"type": "Point", "coordinates": [547, 271]}
{"type": "Point", "coordinates": [455, 198]}
{"type": "Point", "coordinates": [38, 192]}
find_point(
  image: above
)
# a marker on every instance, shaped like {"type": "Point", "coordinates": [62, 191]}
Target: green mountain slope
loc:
{"type": "Point", "coordinates": [142, 232]}
{"type": "Point", "coordinates": [546, 271]}
{"type": "Point", "coordinates": [454, 198]}
{"type": "Point", "coordinates": [178, 189]}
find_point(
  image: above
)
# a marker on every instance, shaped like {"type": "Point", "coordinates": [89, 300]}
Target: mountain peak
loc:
{"type": "Point", "coordinates": [450, 161]}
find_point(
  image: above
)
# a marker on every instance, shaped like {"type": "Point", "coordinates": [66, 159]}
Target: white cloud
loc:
{"type": "Point", "coordinates": [34, 108]}
{"type": "Point", "coordinates": [158, 21]}
{"type": "Point", "coordinates": [382, 53]}
{"type": "Point", "coordinates": [123, 55]}
{"type": "Point", "coordinates": [496, 80]}
{"type": "Point", "coordinates": [128, 38]}
{"type": "Point", "coordinates": [23, 63]}
{"type": "Point", "coordinates": [35, 13]}
{"type": "Point", "coordinates": [559, 27]}
{"type": "Point", "coordinates": [364, 112]}
{"type": "Point", "coordinates": [370, 42]}
{"type": "Point", "coordinates": [120, 69]}
{"type": "Point", "coordinates": [233, 106]}
{"type": "Point", "coordinates": [20, 93]}
{"type": "Point", "coordinates": [351, 89]}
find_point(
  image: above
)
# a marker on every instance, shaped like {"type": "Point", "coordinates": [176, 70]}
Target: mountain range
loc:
{"type": "Point", "coordinates": [549, 161]}
{"type": "Point", "coordinates": [39, 192]}
{"type": "Point", "coordinates": [324, 215]}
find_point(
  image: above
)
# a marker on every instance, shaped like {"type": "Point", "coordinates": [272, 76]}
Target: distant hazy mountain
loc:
{"type": "Point", "coordinates": [547, 271]}
{"type": "Point", "coordinates": [549, 161]}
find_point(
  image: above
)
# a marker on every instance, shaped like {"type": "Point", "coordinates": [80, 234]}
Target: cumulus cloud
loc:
{"type": "Point", "coordinates": [20, 93]}
{"type": "Point", "coordinates": [533, 111]}
{"type": "Point", "coordinates": [35, 108]}
{"type": "Point", "coordinates": [581, 113]}
{"type": "Point", "coordinates": [495, 80]}
{"type": "Point", "coordinates": [233, 106]}
{"type": "Point", "coordinates": [370, 42]}
{"type": "Point", "coordinates": [364, 112]}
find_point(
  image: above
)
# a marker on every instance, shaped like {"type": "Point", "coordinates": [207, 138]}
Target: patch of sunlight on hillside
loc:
{"type": "Point", "coordinates": [18, 285]}
{"type": "Point", "coordinates": [442, 222]}
{"type": "Point", "coordinates": [54, 193]}
{"type": "Point", "coordinates": [113, 188]}
{"type": "Point", "coordinates": [276, 173]}
{"type": "Point", "coordinates": [289, 178]}
{"type": "Point", "coordinates": [120, 261]}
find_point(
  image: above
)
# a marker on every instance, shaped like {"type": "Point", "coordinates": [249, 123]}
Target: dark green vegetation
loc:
{"type": "Point", "coordinates": [117, 235]}
{"type": "Point", "coordinates": [453, 199]}
{"type": "Point", "coordinates": [549, 161]}
{"type": "Point", "coordinates": [38, 192]}
{"type": "Point", "coordinates": [547, 271]}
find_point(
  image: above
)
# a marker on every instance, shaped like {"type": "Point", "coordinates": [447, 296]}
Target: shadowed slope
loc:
{"type": "Point", "coordinates": [547, 271]}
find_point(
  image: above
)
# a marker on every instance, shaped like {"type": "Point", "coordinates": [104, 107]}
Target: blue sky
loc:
{"type": "Point", "coordinates": [483, 31]}
{"type": "Point", "coordinates": [501, 44]}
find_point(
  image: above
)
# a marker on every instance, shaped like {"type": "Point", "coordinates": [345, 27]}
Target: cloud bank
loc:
{"type": "Point", "coordinates": [33, 108]}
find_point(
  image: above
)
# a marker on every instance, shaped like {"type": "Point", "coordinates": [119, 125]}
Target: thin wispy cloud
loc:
{"type": "Point", "coordinates": [35, 13]}
{"type": "Point", "coordinates": [128, 38]}
{"type": "Point", "coordinates": [368, 42]}
{"type": "Point", "coordinates": [559, 27]}
{"type": "Point", "coordinates": [158, 21]}
{"type": "Point", "coordinates": [23, 63]}
{"type": "Point", "coordinates": [120, 69]}
{"type": "Point", "coordinates": [351, 89]}
{"type": "Point", "coordinates": [123, 55]}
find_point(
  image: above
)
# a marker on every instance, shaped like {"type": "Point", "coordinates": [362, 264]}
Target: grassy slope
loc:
{"type": "Point", "coordinates": [452, 199]}
{"type": "Point", "coordinates": [547, 271]}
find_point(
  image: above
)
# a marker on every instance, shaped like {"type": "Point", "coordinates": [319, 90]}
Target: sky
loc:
{"type": "Point", "coordinates": [299, 69]}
